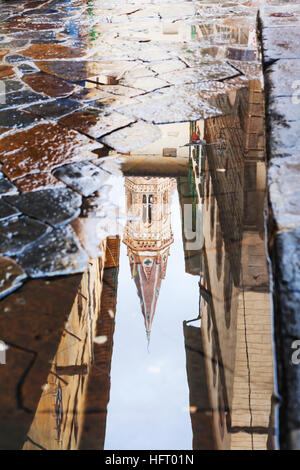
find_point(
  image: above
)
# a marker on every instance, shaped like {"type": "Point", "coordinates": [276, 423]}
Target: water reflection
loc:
{"type": "Point", "coordinates": [231, 386]}
{"type": "Point", "coordinates": [148, 236]}
{"type": "Point", "coordinates": [193, 263]}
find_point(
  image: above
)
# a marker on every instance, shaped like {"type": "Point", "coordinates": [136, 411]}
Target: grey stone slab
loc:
{"type": "Point", "coordinates": [7, 211]}
{"type": "Point", "coordinates": [280, 44]}
{"type": "Point", "coordinates": [6, 186]}
{"type": "Point", "coordinates": [22, 99]}
{"type": "Point", "coordinates": [14, 58]}
{"type": "Point", "coordinates": [12, 118]}
{"type": "Point", "coordinates": [57, 253]}
{"type": "Point", "coordinates": [55, 206]}
{"type": "Point", "coordinates": [54, 109]}
{"type": "Point", "coordinates": [17, 233]}
{"type": "Point", "coordinates": [11, 86]}
{"type": "Point", "coordinates": [283, 119]}
{"type": "Point", "coordinates": [132, 137]}
{"type": "Point", "coordinates": [172, 106]}
{"type": "Point", "coordinates": [278, 14]}
{"type": "Point", "coordinates": [284, 190]}
{"type": "Point", "coordinates": [95, 122]}
{"type": "Point", "coordinates": [83, 177]}
{"type": "Point", "coordinates": [12, 276]}
{"type": "Point", "coordinates": [282, 79]}
{"type": "Point", "coordinates": [213, 71]}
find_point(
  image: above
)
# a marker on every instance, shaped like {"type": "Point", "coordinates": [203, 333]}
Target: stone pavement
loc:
{"type": "Point", "coordinates": [81, 81]}
{"type": "Point", "coordinates": [280, 34]}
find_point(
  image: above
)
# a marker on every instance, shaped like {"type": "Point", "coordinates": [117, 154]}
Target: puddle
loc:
{"type": "Point", "coordinates": [135, 310]}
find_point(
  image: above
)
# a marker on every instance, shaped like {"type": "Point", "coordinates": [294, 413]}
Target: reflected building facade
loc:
{"type": "Point", "coordinates": [72, 407]}
{"type": "Point", "coordinates": [235, 338]}
{"type": "Point", "coordinates": [148, 236]}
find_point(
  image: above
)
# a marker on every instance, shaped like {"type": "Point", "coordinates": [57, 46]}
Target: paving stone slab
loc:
{"type": "Point", "coordinates": [284, 190]}
{"type": "Point", "coordinates": [96, 122]}
{"type": "Point", "coordinates": [57, 253]}
{"type": "Point", "coordinates": [280, 42]}
{"type": "Point", "coordinates": [212, 71]}
{"type": "Point", "coordinates": [43, 148]}
{"type": "Point", "coordinates": [280, 46]}
{"type": "Point", "coordinates": [282, 79]}
{"type": "Point", "coordinates": [170, 107]}
{"type": "Point", "coordinates": [6, 186]}
{"type": "Point", "coordinates": [283, 126]}
{"type": "Point", "coordinates": [83, 177]}
{"type": "Point", "coordinates": [13, 118]}
{"type": "Point", "coordinates": [48, 84]}
{"type": "Point", "coordinates": [18, 232]}
{"type": "Point", "coordinates": [7, 211]}
{"type": "Point", "coordinates": [36, 182]}
{"type": "Point", "coordinates": [54, 109]}
{"type": "Point", "coordinates": [22, 99]}
{"type": "Point", "coordinates": [132, 137]}
{"type": "Point", "coordinates": [278, 14]}
{"type": "Point", "coordinates": [12, 276]}
{"type": "Point", "coordinates": [52, 51]}
{"type": "Point", "coordinates": [78, 71]}
{"type": "Point", "coordinates": [54, 206]}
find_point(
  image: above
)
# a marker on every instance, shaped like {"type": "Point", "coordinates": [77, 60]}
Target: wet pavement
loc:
{"type": "Point", "coordinates": [135, 309]}
{"type": "Point", "coordinates": [279, 24]}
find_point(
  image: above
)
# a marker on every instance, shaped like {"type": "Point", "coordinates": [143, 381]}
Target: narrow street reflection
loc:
{"type": "Point", "coordinates": [187, 269]}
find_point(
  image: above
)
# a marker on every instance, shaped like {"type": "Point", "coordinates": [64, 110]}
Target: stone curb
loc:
{"type": "Point", "coordinates": [279, 27]}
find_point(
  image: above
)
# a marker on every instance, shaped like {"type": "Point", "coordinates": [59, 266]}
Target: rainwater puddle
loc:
{"type": "Point", "coordinates": [135, 304]}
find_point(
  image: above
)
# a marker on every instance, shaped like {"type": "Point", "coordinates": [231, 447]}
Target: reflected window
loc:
{"type": "Point", "coordinates": [147, 208]}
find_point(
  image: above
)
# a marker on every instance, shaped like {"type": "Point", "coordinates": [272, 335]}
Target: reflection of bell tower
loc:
{"type": "Point", "coordinates": [148, 236]}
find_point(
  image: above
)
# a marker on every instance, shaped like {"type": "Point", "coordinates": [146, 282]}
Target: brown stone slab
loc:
{"type": "Point", "coordinates": [6, 71]}
{"type": "Point", "coordinates": [48, 84]}
{"type": "Point", "coordinates": [52, 51]}
{"type": "Point", "coordinates": [95, 123]}
{"type": "Point", "coordinates": [43, 148]}
{"type": "Point", "coordinates": [37, 181]}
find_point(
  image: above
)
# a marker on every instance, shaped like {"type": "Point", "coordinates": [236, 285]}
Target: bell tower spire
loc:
{"type": "Point", "coordinates": [148, 236]}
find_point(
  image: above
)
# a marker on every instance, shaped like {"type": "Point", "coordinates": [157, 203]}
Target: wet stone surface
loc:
{"type": "Point", "coordinates": [94, 122]}
{"type": "Point", "coordinates": [57, 253]}
{"type": "Point", "coordinates": [11, 277]}
{"type": "Point", "coordinates": [6, 187]}
{"type": "Point", "coordinates": [77, 74]}
{"type": "Point", "coordinates": [52, 206]}
{"type": "Point", "coordinates": [83, 177]}
{"type": "Point", "coordinates": [280, 43]}
{"type": "Point", "coordinates": [49, 85]}
{"type": "Point", "coordinates": [13, 118]}
{"type": "Point", "coordinates": [93, 87]}
{"type": "Point", "coordinates": [18, 232]}
{"type": "Point", "coordinates": [43, 148]}
{"type": "Point", "coordinates": [132, 137]}
{"type": "Point", "coordinates": [6, 211]}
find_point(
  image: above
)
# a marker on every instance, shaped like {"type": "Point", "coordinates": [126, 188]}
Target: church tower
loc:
{"type": "Point", "coordinates": [148, 236]}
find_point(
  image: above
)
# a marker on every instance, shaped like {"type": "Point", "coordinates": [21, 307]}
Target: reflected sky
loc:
{"type": "Point", "coordinates": [149, 399]}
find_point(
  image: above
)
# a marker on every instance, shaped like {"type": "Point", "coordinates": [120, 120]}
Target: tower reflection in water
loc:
{"type": "Point", "coordinates": [148, 236]}
{"type": "Point", "coordinates": [229, 358]}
